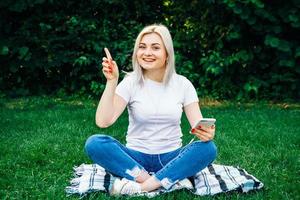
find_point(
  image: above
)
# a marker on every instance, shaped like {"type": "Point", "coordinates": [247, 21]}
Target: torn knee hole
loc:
{"type": "Point", "coordinates": [135, 172]}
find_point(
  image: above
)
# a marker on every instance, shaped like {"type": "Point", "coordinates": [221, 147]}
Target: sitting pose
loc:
{"type": "Point", "coordinates": [155, 97]}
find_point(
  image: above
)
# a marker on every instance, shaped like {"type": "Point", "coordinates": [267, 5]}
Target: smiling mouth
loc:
{"type": "Point", "coordinates": [148, 60]}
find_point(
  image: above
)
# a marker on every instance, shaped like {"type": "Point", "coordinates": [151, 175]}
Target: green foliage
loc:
{"type": "Point", "coordinates": [228, 49]}
{"type": "Point", "coordinates": [97, 88]}
{"type": "Point", "coordinates": [4, 51]}
{"type": "Point", "coordinates": [269, 32]}
{"type": "Point", "coordinates": [59, 45]}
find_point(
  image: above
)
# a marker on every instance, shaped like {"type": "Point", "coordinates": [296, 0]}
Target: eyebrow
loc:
{"type": "Point", "coordinates": [151, 44]}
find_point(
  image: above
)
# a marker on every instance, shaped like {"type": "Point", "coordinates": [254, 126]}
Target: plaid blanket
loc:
{"type": "Point", "coordinates": [212, 180]}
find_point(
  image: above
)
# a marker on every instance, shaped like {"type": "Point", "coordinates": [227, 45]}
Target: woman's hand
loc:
{"type": "Point", "coordinates": [204, 133]}
{"type": "Point", "coordinates": [109, 67]}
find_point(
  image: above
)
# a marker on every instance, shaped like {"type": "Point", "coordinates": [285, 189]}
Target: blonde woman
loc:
{"type": "Point", "coordinates": [155, 97]}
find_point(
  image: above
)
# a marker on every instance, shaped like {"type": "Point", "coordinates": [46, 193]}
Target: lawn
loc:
{"type": "Point", "coordinates": [42, 138]}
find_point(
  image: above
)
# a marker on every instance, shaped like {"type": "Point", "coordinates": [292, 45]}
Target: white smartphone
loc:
{"type": "Point", "coordinates": [205, 122]}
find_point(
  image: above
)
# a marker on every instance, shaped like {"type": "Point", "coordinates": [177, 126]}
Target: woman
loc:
{"type": "Point", "coordinates": [155, 97]}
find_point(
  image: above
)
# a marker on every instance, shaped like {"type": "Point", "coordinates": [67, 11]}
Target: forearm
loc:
{"type": "Point", "coordinates": [193, 113]}
{"type": "Point", "coordinates": [105, 109]}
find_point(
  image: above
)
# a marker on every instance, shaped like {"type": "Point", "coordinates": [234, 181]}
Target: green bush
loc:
{"type": "Point", "coordinates": [240, 49]}
{"type": "Point", "coordinates": [49, 46]}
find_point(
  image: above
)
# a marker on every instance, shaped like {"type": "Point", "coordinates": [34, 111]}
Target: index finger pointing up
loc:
{"type": "Point", "coordinates": [107, 54]}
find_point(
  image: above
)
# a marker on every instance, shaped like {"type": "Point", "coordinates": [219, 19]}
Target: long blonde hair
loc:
{"type": "Point", "coordinates": [165, 35]}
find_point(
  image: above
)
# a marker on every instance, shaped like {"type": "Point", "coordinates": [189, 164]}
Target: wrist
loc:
{"type": "Point", "coordinates": [112, 81]}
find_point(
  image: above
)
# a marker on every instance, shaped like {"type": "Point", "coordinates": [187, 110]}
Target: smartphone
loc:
{"type": "Point", "coordinates": [205, 122]}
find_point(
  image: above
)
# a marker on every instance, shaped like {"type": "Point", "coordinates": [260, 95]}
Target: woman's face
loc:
{"type": "Point", "coordinates": [151, 53]}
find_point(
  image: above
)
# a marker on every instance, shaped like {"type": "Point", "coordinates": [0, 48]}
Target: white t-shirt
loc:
{"type": "Point", "coordinates": [155, 112]}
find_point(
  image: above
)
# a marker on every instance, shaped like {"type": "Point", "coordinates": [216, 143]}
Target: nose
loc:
{"type": "Point", "coordinates": [148, 51]}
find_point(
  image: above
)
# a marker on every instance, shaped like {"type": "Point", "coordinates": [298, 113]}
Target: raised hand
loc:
{"type": "Point", "coordinates": [109, 67]}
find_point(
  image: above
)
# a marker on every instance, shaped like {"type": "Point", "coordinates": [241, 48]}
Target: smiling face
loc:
{"type": "Point", "coordinates": [151, 53]}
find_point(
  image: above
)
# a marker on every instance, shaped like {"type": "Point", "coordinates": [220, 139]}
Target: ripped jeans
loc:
{"type": "Point", "coordinates": [168, 168]}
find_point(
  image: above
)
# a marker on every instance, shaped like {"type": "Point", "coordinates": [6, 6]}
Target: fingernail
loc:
{"type": "Point", "coordinates": [199, 127]}
{"type": "Point", "coordinates": [193, 130]}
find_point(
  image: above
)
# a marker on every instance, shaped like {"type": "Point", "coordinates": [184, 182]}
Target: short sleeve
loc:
{"type": "Point", "coordinates": [190, 94]}
{"type": "Point", "coordinates": [123, 89]}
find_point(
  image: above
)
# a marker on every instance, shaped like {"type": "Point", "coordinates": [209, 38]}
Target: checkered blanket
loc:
{"type": "Point", "coordinates": [212, 180]}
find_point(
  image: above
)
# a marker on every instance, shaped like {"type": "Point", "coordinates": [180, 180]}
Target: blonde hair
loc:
{"type": "Point", "coordinates": [165, 35]}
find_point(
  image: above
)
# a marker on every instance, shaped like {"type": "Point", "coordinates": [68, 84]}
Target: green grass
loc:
{"type": "Point", "coordinates": [42, 138]}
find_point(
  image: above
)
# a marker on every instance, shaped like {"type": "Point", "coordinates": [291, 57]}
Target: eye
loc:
{"type": "Point", "coordinates": [156, 47]}
{"type": "Point", "coordinates": [142, 47]}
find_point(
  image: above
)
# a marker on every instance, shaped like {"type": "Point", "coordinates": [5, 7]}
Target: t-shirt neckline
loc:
{"type": "Point", "coordinates": [147, 80]}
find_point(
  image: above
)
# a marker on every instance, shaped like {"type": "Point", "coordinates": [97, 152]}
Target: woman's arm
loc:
{"type": "Point", "coordinates": [193, 114]}
{"type": "Point", "coordinates": [111, 105]}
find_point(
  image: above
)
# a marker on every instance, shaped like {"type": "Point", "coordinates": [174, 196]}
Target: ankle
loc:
{"type": "Point", "coordinates": [150, 184]}
{"type": "Point", "coordinates": [142, 177]}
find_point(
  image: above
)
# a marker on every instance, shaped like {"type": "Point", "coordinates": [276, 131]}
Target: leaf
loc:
{"type": "Point", "coordinates": [274, 42]}
{"type": "Point", "coordinates": [293, 18]}
{"type": "Point", "coordinates": [45, 27]}
{"type": "Point", "coordinates": [23, 52]}
{"type": "Point", "coordinates": [214, 69]}
{"type": "Point", "coordinates": [248, 87]}
{"type": "Point", "coordinates": [97, 47]}
{"type": "Point", "coordinates": [73, 21]}
{"type": "Point", "coordinates": [287, 63]}
{"type": "Point", "coordinates": [233, 35]}
{"type": "Point", "coordinates": [284, 46]}
{"type": "Point", "coordinates": [243, 55]}
{"type": "Point", "coordinates": [258, 3]}
{"type": "Point", "coordinates": [271, 41]}
{"type": "Point", "coordinates": [4, 50]}
{"type": "Point", "coordinates": [237, 10]}
{"type": "Point", "coordinates": [82, 61]}
{"type": "Point", "coordinates": [231, 4]}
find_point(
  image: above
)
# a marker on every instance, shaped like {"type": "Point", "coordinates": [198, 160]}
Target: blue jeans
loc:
{"type": "Point", "coordinates": [168, 168]}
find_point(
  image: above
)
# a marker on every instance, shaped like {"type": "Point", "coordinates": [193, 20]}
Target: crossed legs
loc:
{"type": "Point", "coordinates": [121, 161]}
